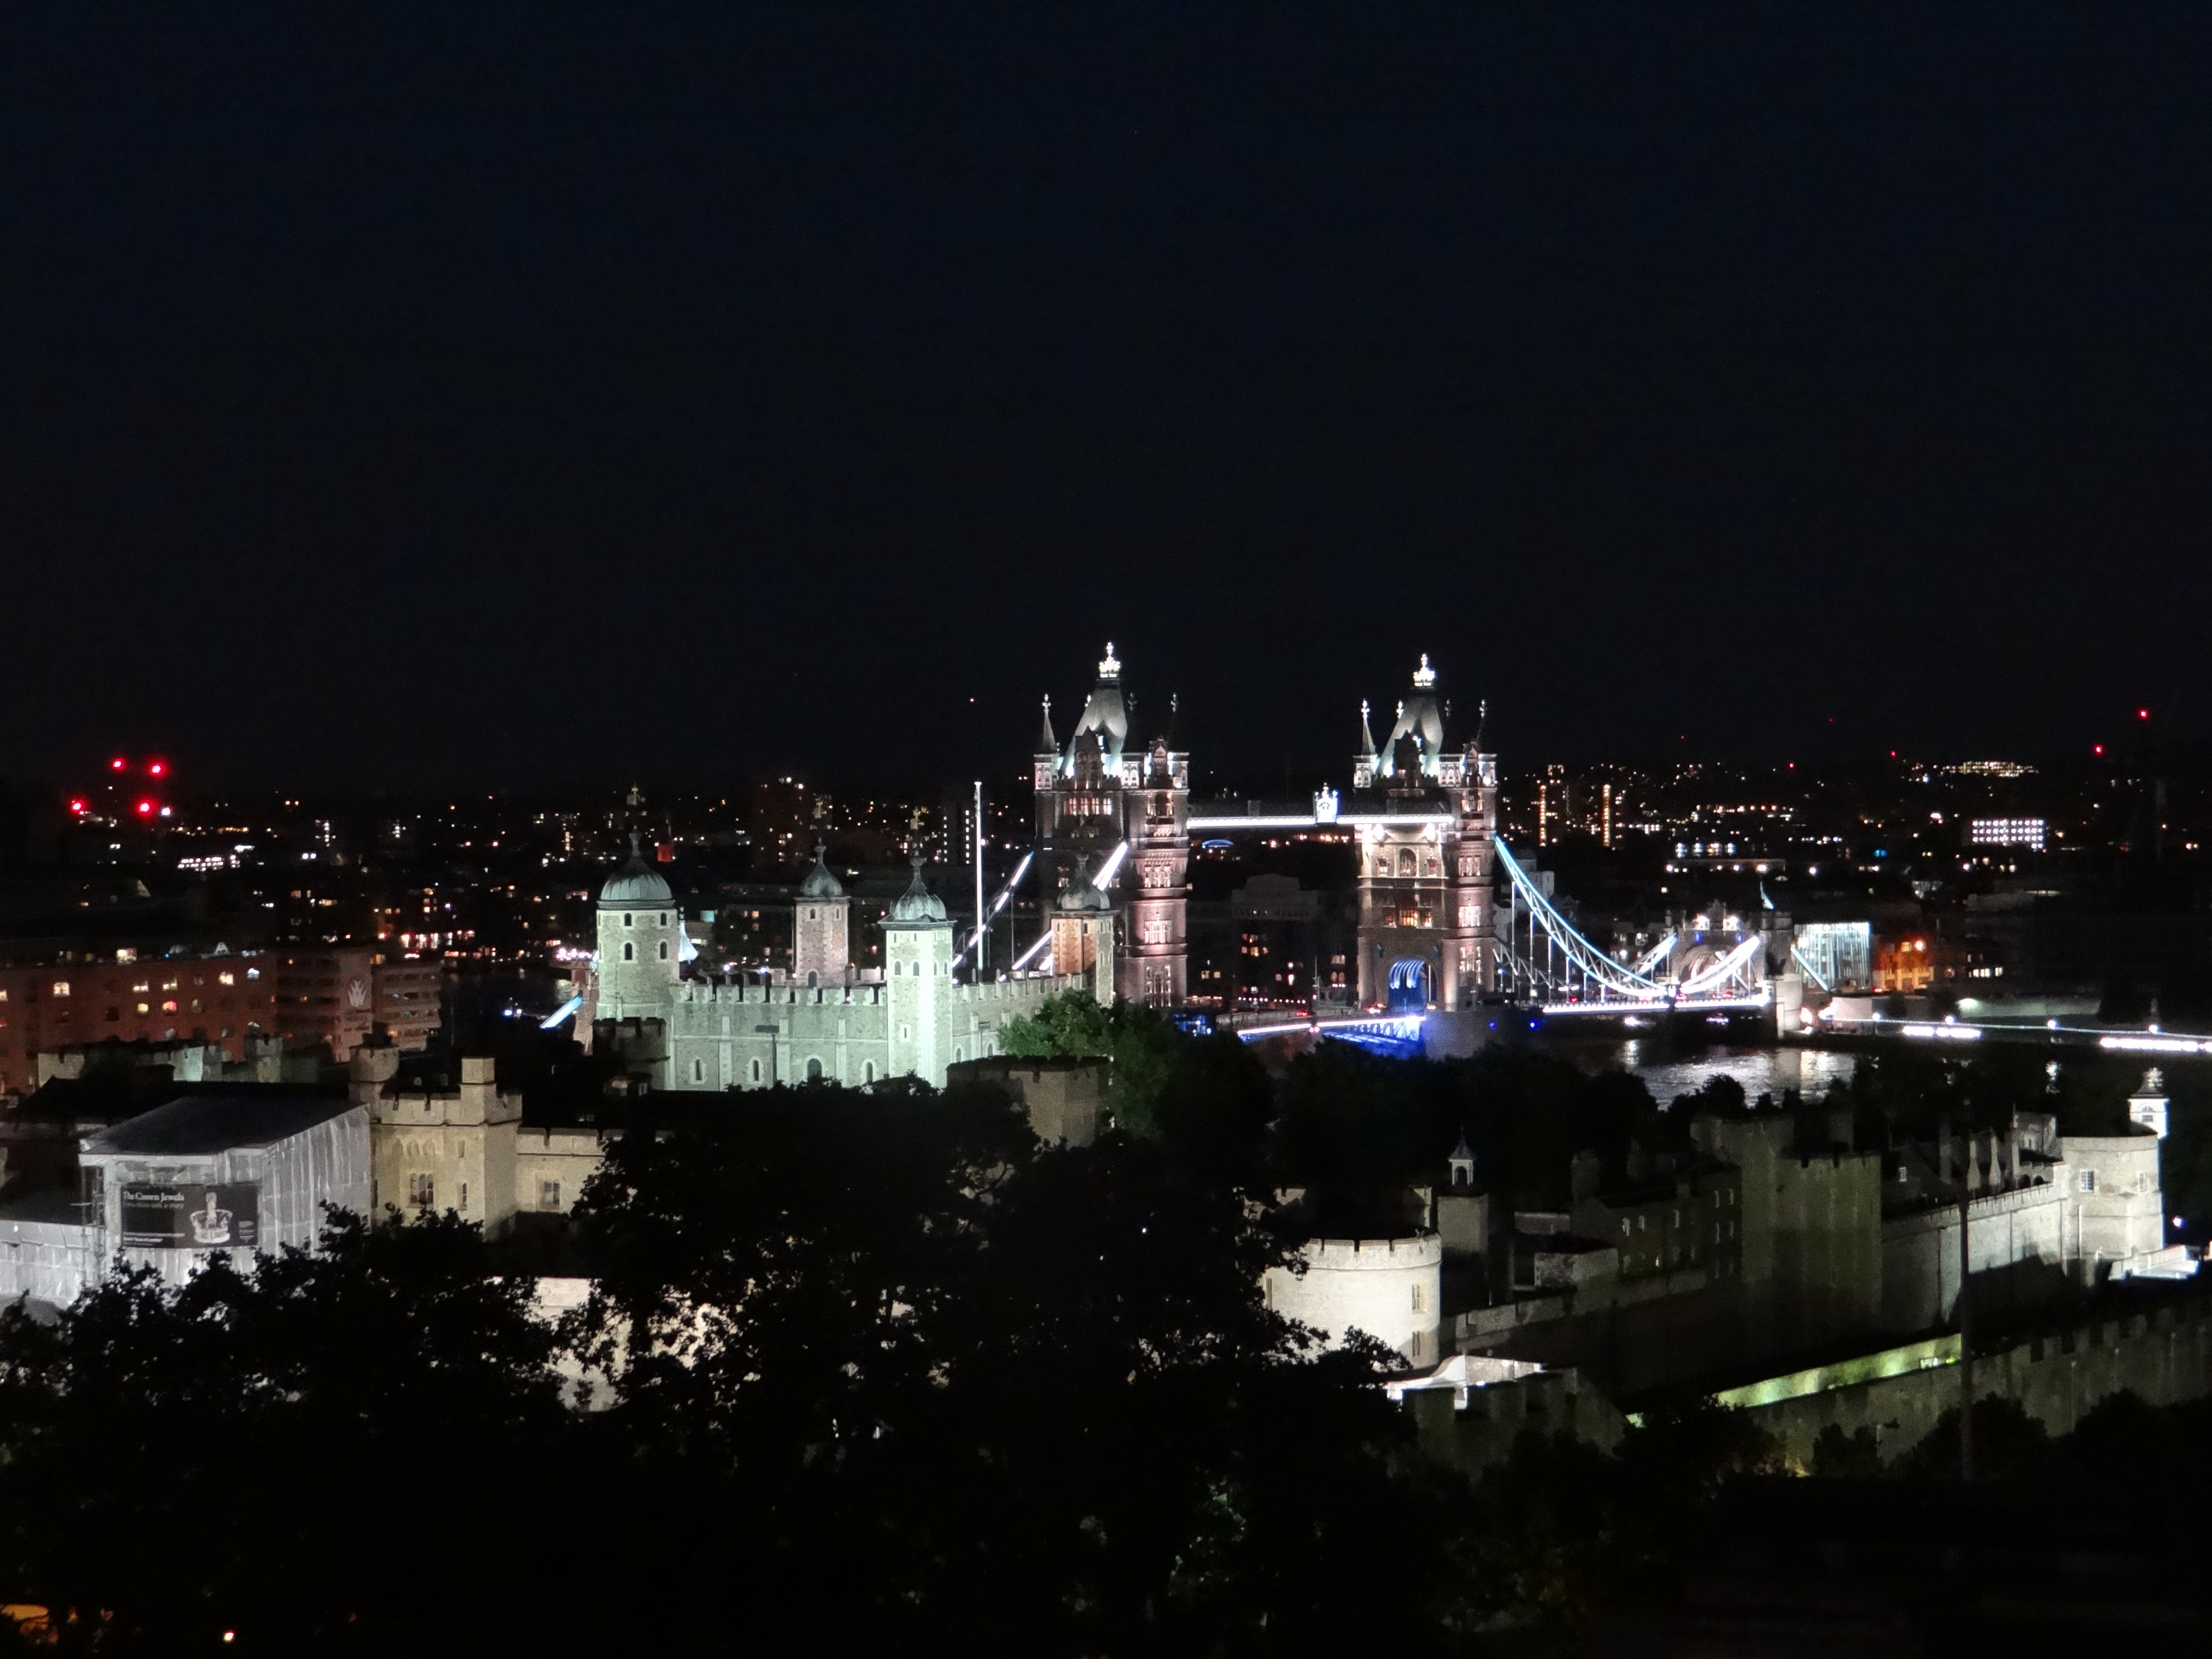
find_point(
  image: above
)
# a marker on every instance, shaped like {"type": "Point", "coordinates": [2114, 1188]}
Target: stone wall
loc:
{"type": "Point", "coordinates": [1474, 1428]}
{"type": "Point", "coordinates": [562, 1160]}
{"type": "Point", "coordinates": [2163, 1354]}
{"type": "Point", "coordinates": [755, 1036]}
{"type": "Point", "coordinates": [2006, 1230]}
{"type": "Point", "coordinates": [1063, 1099]}
{"type": "Point", "coordinates": [1390, 1288]}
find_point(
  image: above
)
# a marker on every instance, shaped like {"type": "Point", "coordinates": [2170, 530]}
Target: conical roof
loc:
{"type": "Point", "coordinates": [1105, 717]}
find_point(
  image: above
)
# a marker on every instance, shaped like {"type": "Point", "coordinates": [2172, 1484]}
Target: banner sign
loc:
{"type": "Point", "coordinates": [190, 1216]}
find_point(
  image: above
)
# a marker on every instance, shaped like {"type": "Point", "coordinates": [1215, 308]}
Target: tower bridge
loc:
{"type": "Point", "coordinates": [1448, 917]}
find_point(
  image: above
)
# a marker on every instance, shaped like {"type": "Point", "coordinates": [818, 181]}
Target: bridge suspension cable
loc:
{"type": "Point", "coordinates": [1568, 955]}
{"type": "Point", "coordinates": [1736, 965]}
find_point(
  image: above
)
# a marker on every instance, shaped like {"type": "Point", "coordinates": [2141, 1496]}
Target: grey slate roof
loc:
{"type": "Point", "coordinates": [218, 1122]}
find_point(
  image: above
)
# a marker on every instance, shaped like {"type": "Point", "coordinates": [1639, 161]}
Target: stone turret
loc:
{"type": "Point", "coordinates": [1083, 933]}
{"type": "Point", "coordinates": [820, 931]}
{"type": "Point", "coordinates": [641, 940]}
{"type": "Point", "coordinates": [918, 969]}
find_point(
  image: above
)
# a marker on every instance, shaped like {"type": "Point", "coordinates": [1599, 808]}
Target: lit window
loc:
{"type": "Point", "coordinates": [61, 988]}
{"type": "Point", "coordinates": [2088, 1180]}
{"type": "Point", "coordinates": [421, 1191]}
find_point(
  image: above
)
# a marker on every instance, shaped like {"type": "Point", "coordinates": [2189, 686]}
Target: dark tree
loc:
{"type": "Point", "coordinates": [297, 1451]}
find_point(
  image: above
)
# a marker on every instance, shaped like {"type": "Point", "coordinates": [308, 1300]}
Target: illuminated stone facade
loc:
{"type": "Point", "coordinates": [1428, 823]}
{"type": "Point", "coordinates": [1126, 811]}
{"type": "Point", "coordinates": [824, 1020]}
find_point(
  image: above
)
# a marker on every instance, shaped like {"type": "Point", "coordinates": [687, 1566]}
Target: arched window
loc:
{"type": "Point", "coordinates": [663, 918]}
{"type": "Point", "coordinates": [813, 1069]}
{"type": "Point", "coordinates": [626, 918]}
{"type": "Point", "coordinates": [756, 1071]}
{"type": "Point", "coordinates": [1405, 860]}
{"type": "Point", "coordinates": [958, 1054]}
{"type": "Point", "coordinates": [630, 951]}
{"type": "Point", "coordinates": [810, 976]}
{"type": "Point", "coordinates": [663, 949]}
{"type": "Point", "coordinates": [698, 1071]}
{"type": "Point", "coordinates": [868, 1072]}
{"type": "Point", "coordinates": [812, 915]}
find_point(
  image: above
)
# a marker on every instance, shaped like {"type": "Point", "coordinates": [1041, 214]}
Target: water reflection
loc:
{"type": "Point", "coordinates": [1668, 1072]}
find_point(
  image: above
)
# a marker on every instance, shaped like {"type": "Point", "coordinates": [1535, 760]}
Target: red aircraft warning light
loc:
{"type": "Point", "coordinates": [156, 768]}
{"type": "Point", "coordinates": [118, 765]}
{"type": "Point", "coordinates": [145, 809]}
{"type": "Point", "coordinates": [78, 805]}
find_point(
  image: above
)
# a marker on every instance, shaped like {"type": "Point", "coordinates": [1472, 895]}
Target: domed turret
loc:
{"type": "Point", "coordinates": [917, 903]}
{"type": "Point", "coordinates": [819, 883]}
{"type": "Point", "coordinates": [636, 885]}
{"type": "Point", "coordinates": [641, 939]}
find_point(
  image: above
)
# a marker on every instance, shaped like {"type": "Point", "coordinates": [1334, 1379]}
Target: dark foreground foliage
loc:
{"type": "Point", "coordinates": [885, 1376]}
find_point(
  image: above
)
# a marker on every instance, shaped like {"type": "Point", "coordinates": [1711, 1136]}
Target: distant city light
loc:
{"type": "Point", "coordinates": [2007, 832]}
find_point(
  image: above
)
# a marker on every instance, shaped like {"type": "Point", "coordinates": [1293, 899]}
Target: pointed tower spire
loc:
{"type": "Point", "coordinates": [1366, 731]}
{"type": "Point", "coordinates": [1048, 743]}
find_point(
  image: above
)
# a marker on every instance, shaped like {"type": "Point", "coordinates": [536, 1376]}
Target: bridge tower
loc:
{"type": "Point", "coordinates": [1426, 936]}
{"type": "Point", "coordinates": [1095, 795]}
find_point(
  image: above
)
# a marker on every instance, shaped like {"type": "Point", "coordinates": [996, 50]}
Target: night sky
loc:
{"type": "Point", "coordinates": [531, 396]}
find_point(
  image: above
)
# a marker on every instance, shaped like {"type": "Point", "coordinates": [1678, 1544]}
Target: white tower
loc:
{"type": "Point", "coordinates": [918, 977]}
